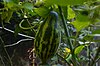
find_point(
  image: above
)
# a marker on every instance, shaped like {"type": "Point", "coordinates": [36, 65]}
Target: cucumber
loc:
{"type": "Point", "coordinates": [47, 38]}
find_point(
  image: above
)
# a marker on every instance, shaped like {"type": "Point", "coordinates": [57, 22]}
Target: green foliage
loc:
{"type": "Point", "coordinates": [6, 16]}
{"type": "Point", "coordinates": [77, 20]}
{"type": "Point", "coordinates": [27, 5]}
{"type": "Point", "coordinates": [81, 22]}
{"type": "Point", "coordinates": [78, 49]}
{"type": "Point", "coordinates": [64, 2]}
{"type": "Point", "coordinates": [97, 31]}
{"type": "Point", "coordinates": [44, 11]}
{"type": "Point", "coordinates": [71, 13]}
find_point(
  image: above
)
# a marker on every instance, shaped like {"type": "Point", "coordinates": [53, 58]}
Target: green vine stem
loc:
{"type": "Point", "coordinates": [65, 28]}
{"type": "Point", "coordinates": [68, 35]}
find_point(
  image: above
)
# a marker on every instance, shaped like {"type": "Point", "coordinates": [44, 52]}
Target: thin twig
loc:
{"type": "Point", "coordinates": [17, 42]}
{"type": "Point", "coordinates": [10, 61]}
{"type": "Point", "coordinates": [2, 61]}
{"type": "Point", "coordinates": [63, 59]}
{"type": "Point", "coordinates": [96, 57]}
{"type": "Point", "coordinates": [18, 33]}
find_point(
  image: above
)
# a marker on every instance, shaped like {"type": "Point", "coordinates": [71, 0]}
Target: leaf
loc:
{"type": "Point", "coordinates": [96, 31]}
{"type": "Point", "coordinates": [64, 2]}
{"type": "Point", "coordinates": [8, 17]}
{"type": "Point", "coordinates": [27, 5]}
{"type": "Point", "coordinates": [81, 22]}
{"type": "Point", "coordinates": [88, 38]}
{"type": "Point", "coordinates": [8, 0]}
{"type": "Point", "coordinates": [42, 11]}
{"type": "Point", "coordinates": [11, 4]}
{"type": "Point", "coordinates": [17, 30]}
{"type": "Point", "coordinates": [71, 13]}
{"type": "Point", "coordinates": [38, 3]}
{"type": "Point", "coordinates": [68, 58]}
{"type": "Point", "coordinates": [15, 1]}
{"type": "Point", "coordinates": [78, 49]}
{"type": "Point", "coordinates": [3, 15]}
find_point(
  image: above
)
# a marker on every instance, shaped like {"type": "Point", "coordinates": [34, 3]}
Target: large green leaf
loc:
{"type": "Point", "coordinates": [81, 22]}
{"type": "Point", "coordinates": [78, 49]}
{"type": "Point", "coordinates": [64, 2]}
{"type": "Point", "coordinates": [42, 11]}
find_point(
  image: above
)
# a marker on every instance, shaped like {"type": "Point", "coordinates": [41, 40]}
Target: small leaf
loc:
{"type": "Point", "coordinates": [96, 31]}
{"type": "Point", "coordinates": [8, 0]}
{"type": "Point", "coordinates": [8, 17]}
{"type": "Point", "coordinates": [28, 6]}
{"type": "Point", "coordinates": [17, 30]}
{"type": "Point", "coordinates": [3, 15]}
{"type": "Point", "coordinates": [78, 49]}
{"type": "Point", "coordinates": [71, 13]}
{"type": "Point", "coordinates": [10, 4]}
{"type": "Point", "coordinates": [38, 3]}
{"type": "Point", "coordinates": [88, 37]}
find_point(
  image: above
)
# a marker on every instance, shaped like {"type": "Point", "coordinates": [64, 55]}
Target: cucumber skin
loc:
{"type": "Point", "coordinates": [47, 38]}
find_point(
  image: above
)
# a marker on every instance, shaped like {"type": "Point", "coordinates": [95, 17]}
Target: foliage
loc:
{"type": "Point", "coordinates": [79, 23]}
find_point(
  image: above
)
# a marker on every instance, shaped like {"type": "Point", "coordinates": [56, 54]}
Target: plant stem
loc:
{"type": "Point", "coordinates": [20, 34]}
{"type": "Point", "coordinates": [63, 59]}
{"type": "Point", "coordinates": [96, 57]}
{"type": "Point", "coordinates": [6, 52]}
{"type": "Point", "coordinates": [68, 35]}
{"type": "Point", "coordinates": [65, 28]}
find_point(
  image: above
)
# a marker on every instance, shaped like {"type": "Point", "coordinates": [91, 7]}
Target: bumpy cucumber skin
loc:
{"type": "Point", "coordinates": [47, 38]}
